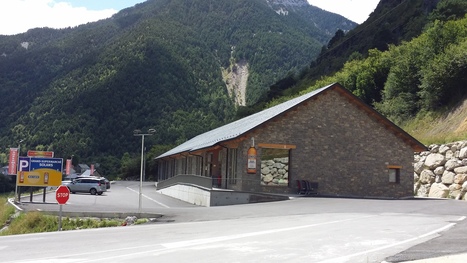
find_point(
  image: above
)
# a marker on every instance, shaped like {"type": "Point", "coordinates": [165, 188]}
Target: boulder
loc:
{"type": "Point", "coordinates": [443, 149]}
{"type": "Point", "coordinates": [284, 160]}
{"type": "Point", "coordinates": [417, 158]}
{"type": "Point", "coordinates": [425, 153]}
{"type": "Point", "coordinates": [434, 160]}
{"type": "Point", "coordinates": [463, 153]}
{"type": "Point", "coordinates": [427, 177]}
{"type": "Point", "coordinates": [461, 170]}
{"type": "Point", "coordinates": [265, 170]}
{"type": "Point", "coordinates": [283, 182]}
{"type": "Point", "coordinates": [416, 177]}
{"type": "Point", "coordinates": [462, 144]}
{"type": "Point", "coordinates": [279, 165]}
{"type": "Point", "coordinates": [438, 190]}
{"type": "Point", "coordinates": [434, 148]}
{"type": "Point", "coordinates": [268, 178]}
{"type": "Point", "coordinates": [130, 220]}
{"type": "Point", "coordinates": [418, 167]}
{"type": "Point", "coordinates": [455, 191]}
{"type": "Point", "coordinates": [460, 178]}
{"type": "Point", "coordinates": [449, 155]}
{"type": "Point", "coordinates": [416, 186]}
{"type": "Point", "coordinates": [451, 164]}
{"type": "Point", "coordinates": [448, 177]}
{"type": "Point", "coordinates": [439, 170]}
{"type": "Point", "coordinates": [423, 190]}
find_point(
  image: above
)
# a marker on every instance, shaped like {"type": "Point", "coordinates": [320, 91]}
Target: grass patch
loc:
{"type": "Point", "coordinates": [36, 222]}
{"type": "Point", "coordinates": [6, 211]}
{"type": "Point", "coordinates": [140, 221]}
{"type": "Point", "coordinates": [439, 127]}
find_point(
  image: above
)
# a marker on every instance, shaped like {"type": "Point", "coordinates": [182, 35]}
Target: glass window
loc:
{"type": "Point", "coordinates": [232, 164]}
{"type": "Point", "coordinates": [394, 175]}
{"type": "Point", "coordinates": [275, 167]}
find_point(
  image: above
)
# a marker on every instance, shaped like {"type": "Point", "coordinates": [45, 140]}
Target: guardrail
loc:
{"type": "Point", "coordinates": [198, 180]}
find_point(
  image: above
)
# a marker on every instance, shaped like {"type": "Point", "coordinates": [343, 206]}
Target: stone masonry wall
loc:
{"type": "Point", "coordinates": [338, 145]}
{"type": "Point", "coordinates": [442, 171]}
{"type": "Point", "coordinates": [275, 172]}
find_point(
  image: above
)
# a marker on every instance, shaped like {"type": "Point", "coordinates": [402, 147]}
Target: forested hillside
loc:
{"type": "Point", "coordinates": [82, 91]}
{"type": "Point", "coordinates": [418, 79]}
{"type": "Point", "coordinates": [392, 22]}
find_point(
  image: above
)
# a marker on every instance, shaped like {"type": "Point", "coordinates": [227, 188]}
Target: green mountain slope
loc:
{"type": "Point", "coordinates": [82, 91]}
{"type": "Point", "coordinates": [419, 84]}
{"type": "Point", "coordinates": [392, 22]}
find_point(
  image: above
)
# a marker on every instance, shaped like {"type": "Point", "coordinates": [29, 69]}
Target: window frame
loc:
{"type": "Point", "coordinates": [394, 174]}
{"type": "Point", "coordinates": [285, 148]}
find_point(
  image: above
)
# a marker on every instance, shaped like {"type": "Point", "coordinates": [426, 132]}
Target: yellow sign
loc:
{"type": "Point", "coordinates": [40, 172]}
{"type": "Point", "coordinates": [40, 178]}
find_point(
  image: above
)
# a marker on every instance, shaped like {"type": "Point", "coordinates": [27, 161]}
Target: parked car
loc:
{"type": "Point", "coordinates": [87, 185]}
{"type": "Point", "coordinates": [107, 182]}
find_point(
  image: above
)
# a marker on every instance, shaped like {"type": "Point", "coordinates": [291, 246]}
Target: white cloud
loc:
{"type": "Point", "coordinates": [355, 10]}
{"type": "Point", "coordinates": [17, 16]}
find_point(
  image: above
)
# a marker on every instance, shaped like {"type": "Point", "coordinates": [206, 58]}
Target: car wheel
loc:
{"type": "Point", "coordinates": [99, 193]}
{"type": "Point", "coordinates": [93, 191]}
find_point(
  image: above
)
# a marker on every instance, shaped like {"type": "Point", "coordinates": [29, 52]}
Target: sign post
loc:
{"type": "Point", "coordinates": [61, 194]}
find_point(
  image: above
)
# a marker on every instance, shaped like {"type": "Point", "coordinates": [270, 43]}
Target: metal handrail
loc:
{"type": "Point", "coordinates": [198, 180]}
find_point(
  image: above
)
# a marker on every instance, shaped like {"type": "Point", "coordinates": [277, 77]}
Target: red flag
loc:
{"type": "Point", "coordinates": [68, 167]}
{"type": "Point", "coordinates": [13, 161]}
{"type": "Point", "coordinates": [92, 169]}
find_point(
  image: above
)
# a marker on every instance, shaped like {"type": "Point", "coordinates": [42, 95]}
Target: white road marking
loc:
{"type": "Point", "coordinates": [147, 197]}
{"type": "Point", "coordinates": [12, 202]}
{"type": "Point", "coordinates": [176, 245]}
{"type": "Point", "coordinates": [204, 241]}
{"type": "Point", "coordinates": [348, 257]}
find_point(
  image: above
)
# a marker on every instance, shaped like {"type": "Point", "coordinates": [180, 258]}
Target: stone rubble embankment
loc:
{"type": "Point", "coordinates": [275, 172]}
{"type": "Point", "coordinates": [441, 172]}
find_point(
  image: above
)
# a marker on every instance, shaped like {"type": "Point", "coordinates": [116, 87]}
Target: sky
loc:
{"type": "Point", "coordinates": [17, 16]}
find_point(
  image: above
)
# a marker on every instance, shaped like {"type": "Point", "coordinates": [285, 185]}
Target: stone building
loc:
{"type": "Point", "coordinates": [328, 136]}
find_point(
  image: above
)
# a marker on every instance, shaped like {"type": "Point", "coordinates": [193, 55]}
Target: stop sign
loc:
{"type": "Point", "coordinates": [62, 194]}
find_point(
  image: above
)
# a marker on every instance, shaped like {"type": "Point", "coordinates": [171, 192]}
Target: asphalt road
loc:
{"type": "Point", "coordinates": [301, 229]}
{"type": "Point", "coordinates": [123, 196]}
